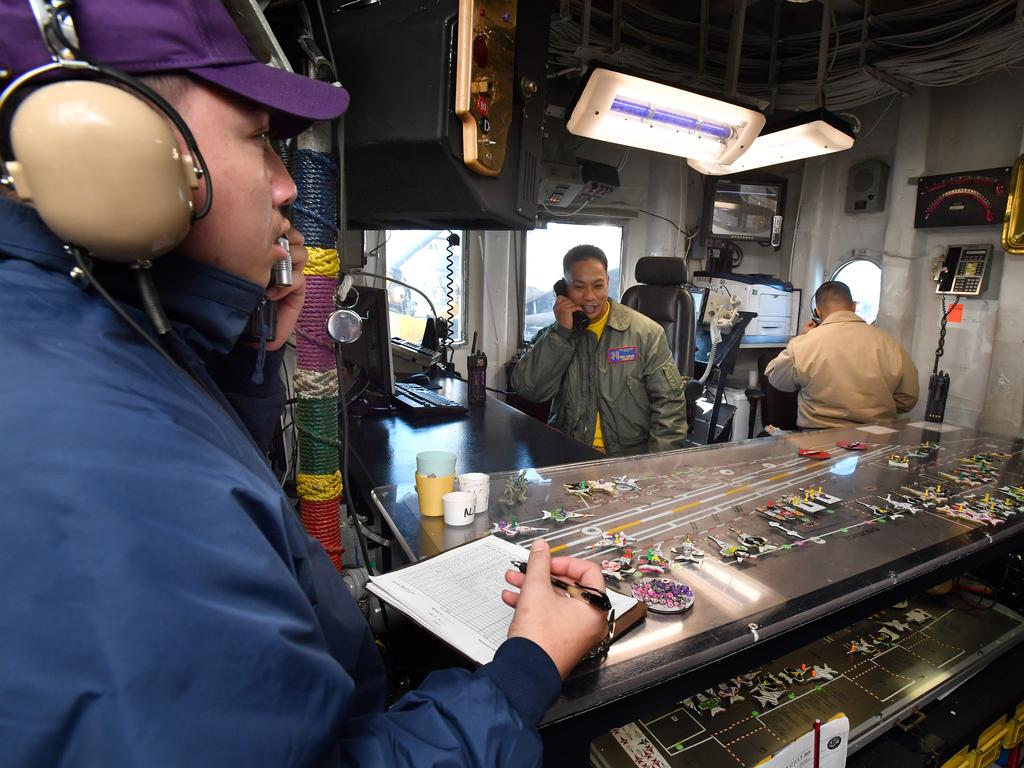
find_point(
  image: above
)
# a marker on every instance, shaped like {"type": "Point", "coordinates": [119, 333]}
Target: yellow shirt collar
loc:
{"type": "Point", "coordinates": [597, 326]}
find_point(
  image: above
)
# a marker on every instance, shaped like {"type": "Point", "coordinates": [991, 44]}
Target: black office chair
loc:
{"type": "Point", "coordinates": [661, 296]}
{"type": "Point", "coordinates": [777, 407]}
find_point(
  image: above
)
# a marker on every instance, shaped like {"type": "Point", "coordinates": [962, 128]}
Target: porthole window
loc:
{"type": "Point", "coordinates": [864, 277]}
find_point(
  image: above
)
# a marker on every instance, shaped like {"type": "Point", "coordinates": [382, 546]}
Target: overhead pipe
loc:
{"type": "Point", "coordinates": [585, 28]}
{"type": "Point", "coordinates": [616, 25]}
{"type": "Point", "coordinates": [826, 32]}
{"type": "Point", "coordinates": [702, 44]}
{"type": "Point", "coordinates": [865, 30]}
{"type": "Point", "coordinates": [732, 68]}
{"type": "Point", "coordinates": [773, 57]}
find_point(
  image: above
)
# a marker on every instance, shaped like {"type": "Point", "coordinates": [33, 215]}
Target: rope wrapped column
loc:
{"type": "Point", "coordinates": [316, 378]}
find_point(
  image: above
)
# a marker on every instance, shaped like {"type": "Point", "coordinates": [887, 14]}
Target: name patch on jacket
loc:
{"type": "Point", "coordinates": [622, 355]}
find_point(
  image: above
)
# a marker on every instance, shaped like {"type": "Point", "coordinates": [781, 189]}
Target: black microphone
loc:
{"type": "Point", "coordinates": [281, 275]}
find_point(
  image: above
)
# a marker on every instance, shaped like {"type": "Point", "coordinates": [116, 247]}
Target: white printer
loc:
{"type": "Point", "coordinates": [776, 303]}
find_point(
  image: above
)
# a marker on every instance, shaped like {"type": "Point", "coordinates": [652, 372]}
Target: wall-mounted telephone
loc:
{"type": "Point", "coordinates": [721, 311]}
{"type": "Point", "coordinates": [962, 271]}
{"type": "Point", "coordinates": [579, 318]}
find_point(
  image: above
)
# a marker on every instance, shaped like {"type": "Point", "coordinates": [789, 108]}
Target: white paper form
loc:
{"type": "Point", "coordinates": [457, 595]}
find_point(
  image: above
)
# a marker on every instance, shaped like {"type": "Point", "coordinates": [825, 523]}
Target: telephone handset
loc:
{"type": "Point", "coordinates": [579, 317]}
{"type": "Point", "coordinates": [721, 313]}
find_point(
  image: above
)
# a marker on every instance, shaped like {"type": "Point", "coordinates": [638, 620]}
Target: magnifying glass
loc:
{"type": "Point", "coordinates": [344, 326]}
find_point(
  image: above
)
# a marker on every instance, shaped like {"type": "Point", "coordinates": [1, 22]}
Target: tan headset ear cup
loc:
{"type": "Point", "coordinates": [103, 169]}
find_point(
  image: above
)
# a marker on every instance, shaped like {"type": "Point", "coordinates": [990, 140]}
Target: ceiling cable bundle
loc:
{"type": "Point", "coordinates": [934, 44]}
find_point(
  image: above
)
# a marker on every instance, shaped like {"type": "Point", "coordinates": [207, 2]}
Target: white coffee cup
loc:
{"type": "Point", "coordinates": [459, 507]}
{"type": "Point", "coordinates": [479, 485]}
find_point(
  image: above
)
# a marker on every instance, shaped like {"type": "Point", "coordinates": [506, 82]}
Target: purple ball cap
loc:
{"type": "Point", "coordinates": [144, 37]}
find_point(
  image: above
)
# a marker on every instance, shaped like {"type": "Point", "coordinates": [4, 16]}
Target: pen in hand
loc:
{"type": "Point", "coordinates": [593, 596]}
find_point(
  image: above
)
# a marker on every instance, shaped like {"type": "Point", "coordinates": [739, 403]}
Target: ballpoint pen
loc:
{"type": "Point", "coordinates": [593, 596]}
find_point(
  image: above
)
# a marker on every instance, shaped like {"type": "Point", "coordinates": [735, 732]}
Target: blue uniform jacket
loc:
{"type": "Point", "coordinates": [161, 603]}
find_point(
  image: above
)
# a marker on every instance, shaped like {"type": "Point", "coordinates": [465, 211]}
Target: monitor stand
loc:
{"type": "Point", "coordinates": [362, 398]}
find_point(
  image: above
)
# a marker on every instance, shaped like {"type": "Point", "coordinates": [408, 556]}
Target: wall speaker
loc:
{"type": "Point", "coordinates": [866, 187]}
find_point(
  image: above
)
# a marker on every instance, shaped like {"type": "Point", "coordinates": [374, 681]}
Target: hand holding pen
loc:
{"type": "Point", "coordinates": [565, 629]}
{"type": "Point", "coordinates": [595, 597]}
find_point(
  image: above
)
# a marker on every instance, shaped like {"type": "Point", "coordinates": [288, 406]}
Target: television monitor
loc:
{"type": "Point", "coordinates": [372, 350]}
{"type": "Point", "coordinates": [742, 209]}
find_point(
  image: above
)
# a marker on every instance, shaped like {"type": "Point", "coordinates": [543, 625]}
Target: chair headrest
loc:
{"type": "Point", "coordinates": [660, 270]}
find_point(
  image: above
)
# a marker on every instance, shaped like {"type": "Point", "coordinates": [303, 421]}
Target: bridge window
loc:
{"type": "Point", "coordinates": [544, 251]}
{"type": "Point", "coordinates": [420, 257]}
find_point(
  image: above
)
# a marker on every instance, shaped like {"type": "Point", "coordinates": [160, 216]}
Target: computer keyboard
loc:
{"type": "Point", "coordinates": [414, 353]}
{"type": "Point", "coordinates": [420, 401]}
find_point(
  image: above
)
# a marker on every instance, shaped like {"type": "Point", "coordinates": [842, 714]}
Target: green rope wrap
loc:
{"type": "Point", "coordinates": [319, 417]}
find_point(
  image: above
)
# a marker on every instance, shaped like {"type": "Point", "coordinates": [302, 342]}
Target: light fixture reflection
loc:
{"type": "Point", "coordinates": [734, 586]}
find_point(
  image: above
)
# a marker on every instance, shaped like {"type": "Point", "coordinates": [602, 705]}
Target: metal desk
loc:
{"type": "Point", "coordinates": [755, 610]}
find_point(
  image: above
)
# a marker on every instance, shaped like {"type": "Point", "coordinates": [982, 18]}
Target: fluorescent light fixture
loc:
{"type": "Point", "coordinates": [629, 110]}
{"type": "Point", "coordinates": [805, 135]}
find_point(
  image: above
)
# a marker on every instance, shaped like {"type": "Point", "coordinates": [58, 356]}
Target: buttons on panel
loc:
{"type": "Point", "coordinates": [485, 69]}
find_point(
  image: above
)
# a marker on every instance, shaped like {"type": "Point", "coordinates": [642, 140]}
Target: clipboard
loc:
{"type": "Point", "coordinates": [456, 596]}
{"type": "Point", "coordinates": [628, 620]}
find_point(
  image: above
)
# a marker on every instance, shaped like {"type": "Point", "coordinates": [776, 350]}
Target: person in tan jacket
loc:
{"type": "Point", "coordinates": [846, 371]}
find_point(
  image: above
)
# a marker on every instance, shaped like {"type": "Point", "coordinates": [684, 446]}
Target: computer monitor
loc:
{"type": "Point", "coordinates": [699, 297]}
{"type": "Point", "coordinates": [372, 350]}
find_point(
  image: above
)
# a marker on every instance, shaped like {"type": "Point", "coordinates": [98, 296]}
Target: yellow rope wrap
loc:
{"type": "Point", "coordinates": [323, 262]}
{"type": "Point", "coordinates": [319, 487]}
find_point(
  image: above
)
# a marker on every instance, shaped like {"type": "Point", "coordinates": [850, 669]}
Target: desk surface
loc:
{"type": "Point", "coordinates": [492, 437]}
{"type": "Point", "coordinates": [844, 553]}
